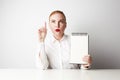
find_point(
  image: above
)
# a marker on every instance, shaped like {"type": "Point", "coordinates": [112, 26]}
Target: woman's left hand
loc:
{"type": "Point", "coordinates": [88, 60]}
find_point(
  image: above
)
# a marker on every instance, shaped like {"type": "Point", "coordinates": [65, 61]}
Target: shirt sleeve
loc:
{"type": "Point", "coordinates": [85, 68]}
{"type": "Point", "coordinates": [41, 57]}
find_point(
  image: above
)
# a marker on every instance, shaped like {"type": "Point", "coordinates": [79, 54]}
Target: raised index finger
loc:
{"type": "Point", "coordinates": [45, 25]}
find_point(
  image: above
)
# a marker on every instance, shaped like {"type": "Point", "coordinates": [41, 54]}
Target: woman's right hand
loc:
{"type": "Point", "coordinates": [42, 33]}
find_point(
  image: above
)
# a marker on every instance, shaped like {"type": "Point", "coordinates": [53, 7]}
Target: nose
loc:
{"type": "Point", "coordinates": [57, 24]}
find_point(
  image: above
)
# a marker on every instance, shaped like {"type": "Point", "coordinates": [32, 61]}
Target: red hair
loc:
{"type": "Point", "coordinates": [57, 11]}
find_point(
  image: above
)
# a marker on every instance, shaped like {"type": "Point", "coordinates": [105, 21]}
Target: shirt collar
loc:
{"type": "Point", "coordinates": [54, 40]}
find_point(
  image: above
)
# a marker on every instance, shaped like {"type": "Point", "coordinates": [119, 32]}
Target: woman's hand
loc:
{"type": "Point", "coordinates": [42, 33]}
{"type": "Point", "coordinates": [88, 60]}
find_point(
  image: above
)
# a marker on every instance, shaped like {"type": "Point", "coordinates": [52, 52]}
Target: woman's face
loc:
{"type": "Point", "coordinates": [57, 24]}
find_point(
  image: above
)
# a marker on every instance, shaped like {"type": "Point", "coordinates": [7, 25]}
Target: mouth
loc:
{"type": "Point", "coordinates": [57, 30]}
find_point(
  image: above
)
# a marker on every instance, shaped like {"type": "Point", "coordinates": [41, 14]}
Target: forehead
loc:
{"type": "Point", "coordinates": [57, 16]}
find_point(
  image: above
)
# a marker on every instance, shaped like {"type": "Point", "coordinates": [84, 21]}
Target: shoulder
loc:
{"type": "Point", "coordinates": [67, 38]}
{"type": "Point", "coordinates": [66, 35]}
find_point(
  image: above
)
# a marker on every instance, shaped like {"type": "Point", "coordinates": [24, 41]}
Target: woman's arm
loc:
{"type": "Point", "coordinates": [42, 61]}
{"type": "Point", "coordinates": [41, 58]}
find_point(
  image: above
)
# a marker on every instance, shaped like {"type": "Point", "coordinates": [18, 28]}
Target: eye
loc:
{"type": "Point", "coordinates": [62, 21]}
{"type": "Point", "coordinates": [53, 21]}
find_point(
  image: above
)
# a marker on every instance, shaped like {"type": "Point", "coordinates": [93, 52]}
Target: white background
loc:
{"type": "Point", "coordinates": [20, 20]}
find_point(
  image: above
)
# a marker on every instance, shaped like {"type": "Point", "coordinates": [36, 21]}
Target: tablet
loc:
{"type": "Point", "coordinates": [79, 47]}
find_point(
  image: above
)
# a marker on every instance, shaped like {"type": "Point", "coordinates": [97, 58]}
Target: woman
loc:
{"type": "Point", "coordinates": [54, 47]}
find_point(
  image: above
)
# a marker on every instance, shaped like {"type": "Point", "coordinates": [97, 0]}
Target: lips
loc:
{"type": "Point", "coordinates": [57, 30]}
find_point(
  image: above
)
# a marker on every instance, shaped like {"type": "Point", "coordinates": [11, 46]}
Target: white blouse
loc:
{"type": "Point", "coordinates": [54, 54]}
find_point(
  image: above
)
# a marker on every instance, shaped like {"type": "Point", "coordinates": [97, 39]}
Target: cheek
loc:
{"type": "Point", "coordinates": [52, 29]}
{"type": "Point", "coordinates": [51, 26]}
{"type": "Point", "coordinates": [63, 28]}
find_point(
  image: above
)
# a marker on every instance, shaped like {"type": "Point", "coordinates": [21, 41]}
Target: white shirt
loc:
{"type": "Point", "coordinates": [54, 54]}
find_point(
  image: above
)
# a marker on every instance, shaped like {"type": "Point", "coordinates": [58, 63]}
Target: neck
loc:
{"type": "Point", "coordinates": [58, 37]}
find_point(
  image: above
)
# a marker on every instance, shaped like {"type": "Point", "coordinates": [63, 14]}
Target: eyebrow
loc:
{"type": "Point", "coordinates": [60, 19]}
